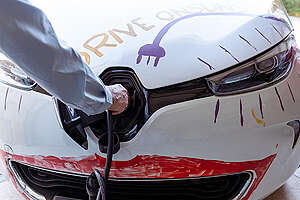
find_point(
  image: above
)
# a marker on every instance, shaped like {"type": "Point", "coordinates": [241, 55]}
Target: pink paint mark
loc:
{"type": "Point", "coordinates": [263, 36]}
{"type": "Point", "coordinates": [241, 113]}
{"type": "Point", "coordinates": [152, 166]}
{"type": "Point", "coordinates": [248, 43]}
{"type": "Point", "coordinates": [229, 53]}
{"type": "Point", "coordinates": [20, 102]}
{"type": "Point", "coordinates": [279, 98]}
{"type": "Point", "coordinates": [277, 30]}
{"type": "Point", "coordinates": [291, 92]}
{"type": "Point", "coordinates": [210, 67]}
{"type": "Point", "coordinates": [261, 107]}
{"type": "Point", "coordinates": [5, 100]}
{"type": "Point", "coordinates": [217, 111]}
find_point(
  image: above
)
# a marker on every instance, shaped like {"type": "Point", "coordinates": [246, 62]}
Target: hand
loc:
{"type": "Point", "coordinates": [119, 97]}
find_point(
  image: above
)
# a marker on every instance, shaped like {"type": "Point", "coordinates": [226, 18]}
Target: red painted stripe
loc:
{"type": "Point", "coordinates": [152, 166]}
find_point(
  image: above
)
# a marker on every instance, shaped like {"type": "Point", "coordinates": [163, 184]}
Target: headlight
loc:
{"type": "Point", "coordinates": [12, 75]}
{"type": "Point", "coordinates": [258, 73]}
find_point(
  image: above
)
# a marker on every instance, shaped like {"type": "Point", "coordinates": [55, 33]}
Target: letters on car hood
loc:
{"type": "Point", "coordinates": [168, 42]}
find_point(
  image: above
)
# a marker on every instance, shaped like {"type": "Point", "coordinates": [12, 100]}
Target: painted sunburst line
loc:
{"type": "Point", "coordinates": [291, 92]}
{"type": "Point", "coordinates": [261, 107]}
{"type": "Point", "coordinates": [5, 100]}
{"type": "Point", "coordinates": [206, 63]}
{"type": "Point", "coordinates": [217, 110]}
{"type": "Point", "coordinates": [279, 98]}
{"type": "Point", "coordinates": [247, 41]}
{"type": "Point", "coordinates": [241, 113]}
{"type": "Point", "coordinates": [263, 36]}
{"type": "Point", "coordinates": [229, 53]}
{"type": "Point", "coordinates": [277, 30]}
{"type": "Point", "coordinates": [20, 102]}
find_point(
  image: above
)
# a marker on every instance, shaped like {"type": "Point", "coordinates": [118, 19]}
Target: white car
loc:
{"type": "Point", "coordinates": [214, 110]}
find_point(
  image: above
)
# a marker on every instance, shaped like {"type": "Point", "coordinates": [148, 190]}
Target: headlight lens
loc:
{"type": "Point", "coordinates": [12, 75]}
{"type": "Point", "coordinates": [256, 74]}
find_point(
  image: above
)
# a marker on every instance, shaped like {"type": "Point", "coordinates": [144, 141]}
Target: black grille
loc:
{"type": "Point", "coordinates": [51, 184]}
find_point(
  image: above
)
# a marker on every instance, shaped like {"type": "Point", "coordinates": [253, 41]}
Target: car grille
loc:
{"type": "Point", "coordinates": [57, 185]}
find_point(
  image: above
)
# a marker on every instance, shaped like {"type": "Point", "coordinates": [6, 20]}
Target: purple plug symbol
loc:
{"type": "Point", "coordinates": [151, 50]}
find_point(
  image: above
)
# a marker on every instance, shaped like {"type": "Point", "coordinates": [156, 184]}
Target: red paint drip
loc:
{"type": "Point", "coordinates": [279, 98]}
{"type": "Point", "coordinates": [291, 92]}
{"type": "Point", "coordinates": [261, 107]}
{"type": "Point", "coordinates": [241, 113]}
{"type": "Point", "coordinates": [217, 110]}
{"type": "Point", "coordinates": [151, 166]}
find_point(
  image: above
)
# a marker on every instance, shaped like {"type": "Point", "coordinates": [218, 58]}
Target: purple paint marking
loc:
{"type": "Point", "coordinates": [248, 43]}
{"type": "Point", "coordinates": [210, 67]}
{"type": "Point", "coordinates": [20, 102]}
{"type": "Point", "coordinates": [241, 113]}
{"type": "Point", "coordinates": [279, 98]}
{"type": "Point", "coordinates": [155, 50]}
{"type": "Point", "coordinates": [263, 36]}
{"type": "Point", "coordinates": [5, 100]}
{"type": "Point", "coordinates": [217, 110]}
{"type": "Point", "coordinates": [292, 94]}
{"type": "Point", "coordinates": [277, 30]}
{"type": "Point", "coordinates": [229, 53]}
{"type": "Point", "coordinates": [261, 107]}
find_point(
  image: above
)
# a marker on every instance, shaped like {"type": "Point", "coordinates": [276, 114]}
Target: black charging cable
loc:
{"type": "Point", "coordinates": [96, 179]}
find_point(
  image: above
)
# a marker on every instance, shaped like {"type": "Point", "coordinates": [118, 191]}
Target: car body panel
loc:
{"type": "Point", "coordinates": [221, 33]}
{"type": "Point", "coordinates": [203, 137]}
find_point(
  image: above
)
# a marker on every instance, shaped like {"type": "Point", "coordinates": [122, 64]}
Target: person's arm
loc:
{"type": "Point", "coordinates": [27, 37]}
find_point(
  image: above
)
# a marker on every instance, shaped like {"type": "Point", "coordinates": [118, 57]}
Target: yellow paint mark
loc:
{"type": "Point", "coordinates": [86, 57]}
{"type": "Point", "coordinates": [103, 43]}
{"type": "Point", "coordinates": [258, 121]}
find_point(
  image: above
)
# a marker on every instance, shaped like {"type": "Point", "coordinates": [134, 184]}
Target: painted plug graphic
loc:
{"type": "Point", "coordinates": [151, 50]}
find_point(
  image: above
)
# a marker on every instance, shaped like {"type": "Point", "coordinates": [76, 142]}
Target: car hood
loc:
{"type": "Point", "coordinates": [171, 41]}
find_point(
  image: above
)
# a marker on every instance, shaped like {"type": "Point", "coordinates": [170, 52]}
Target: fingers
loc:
{"type": "Point", "coordinates": [120, 99]}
